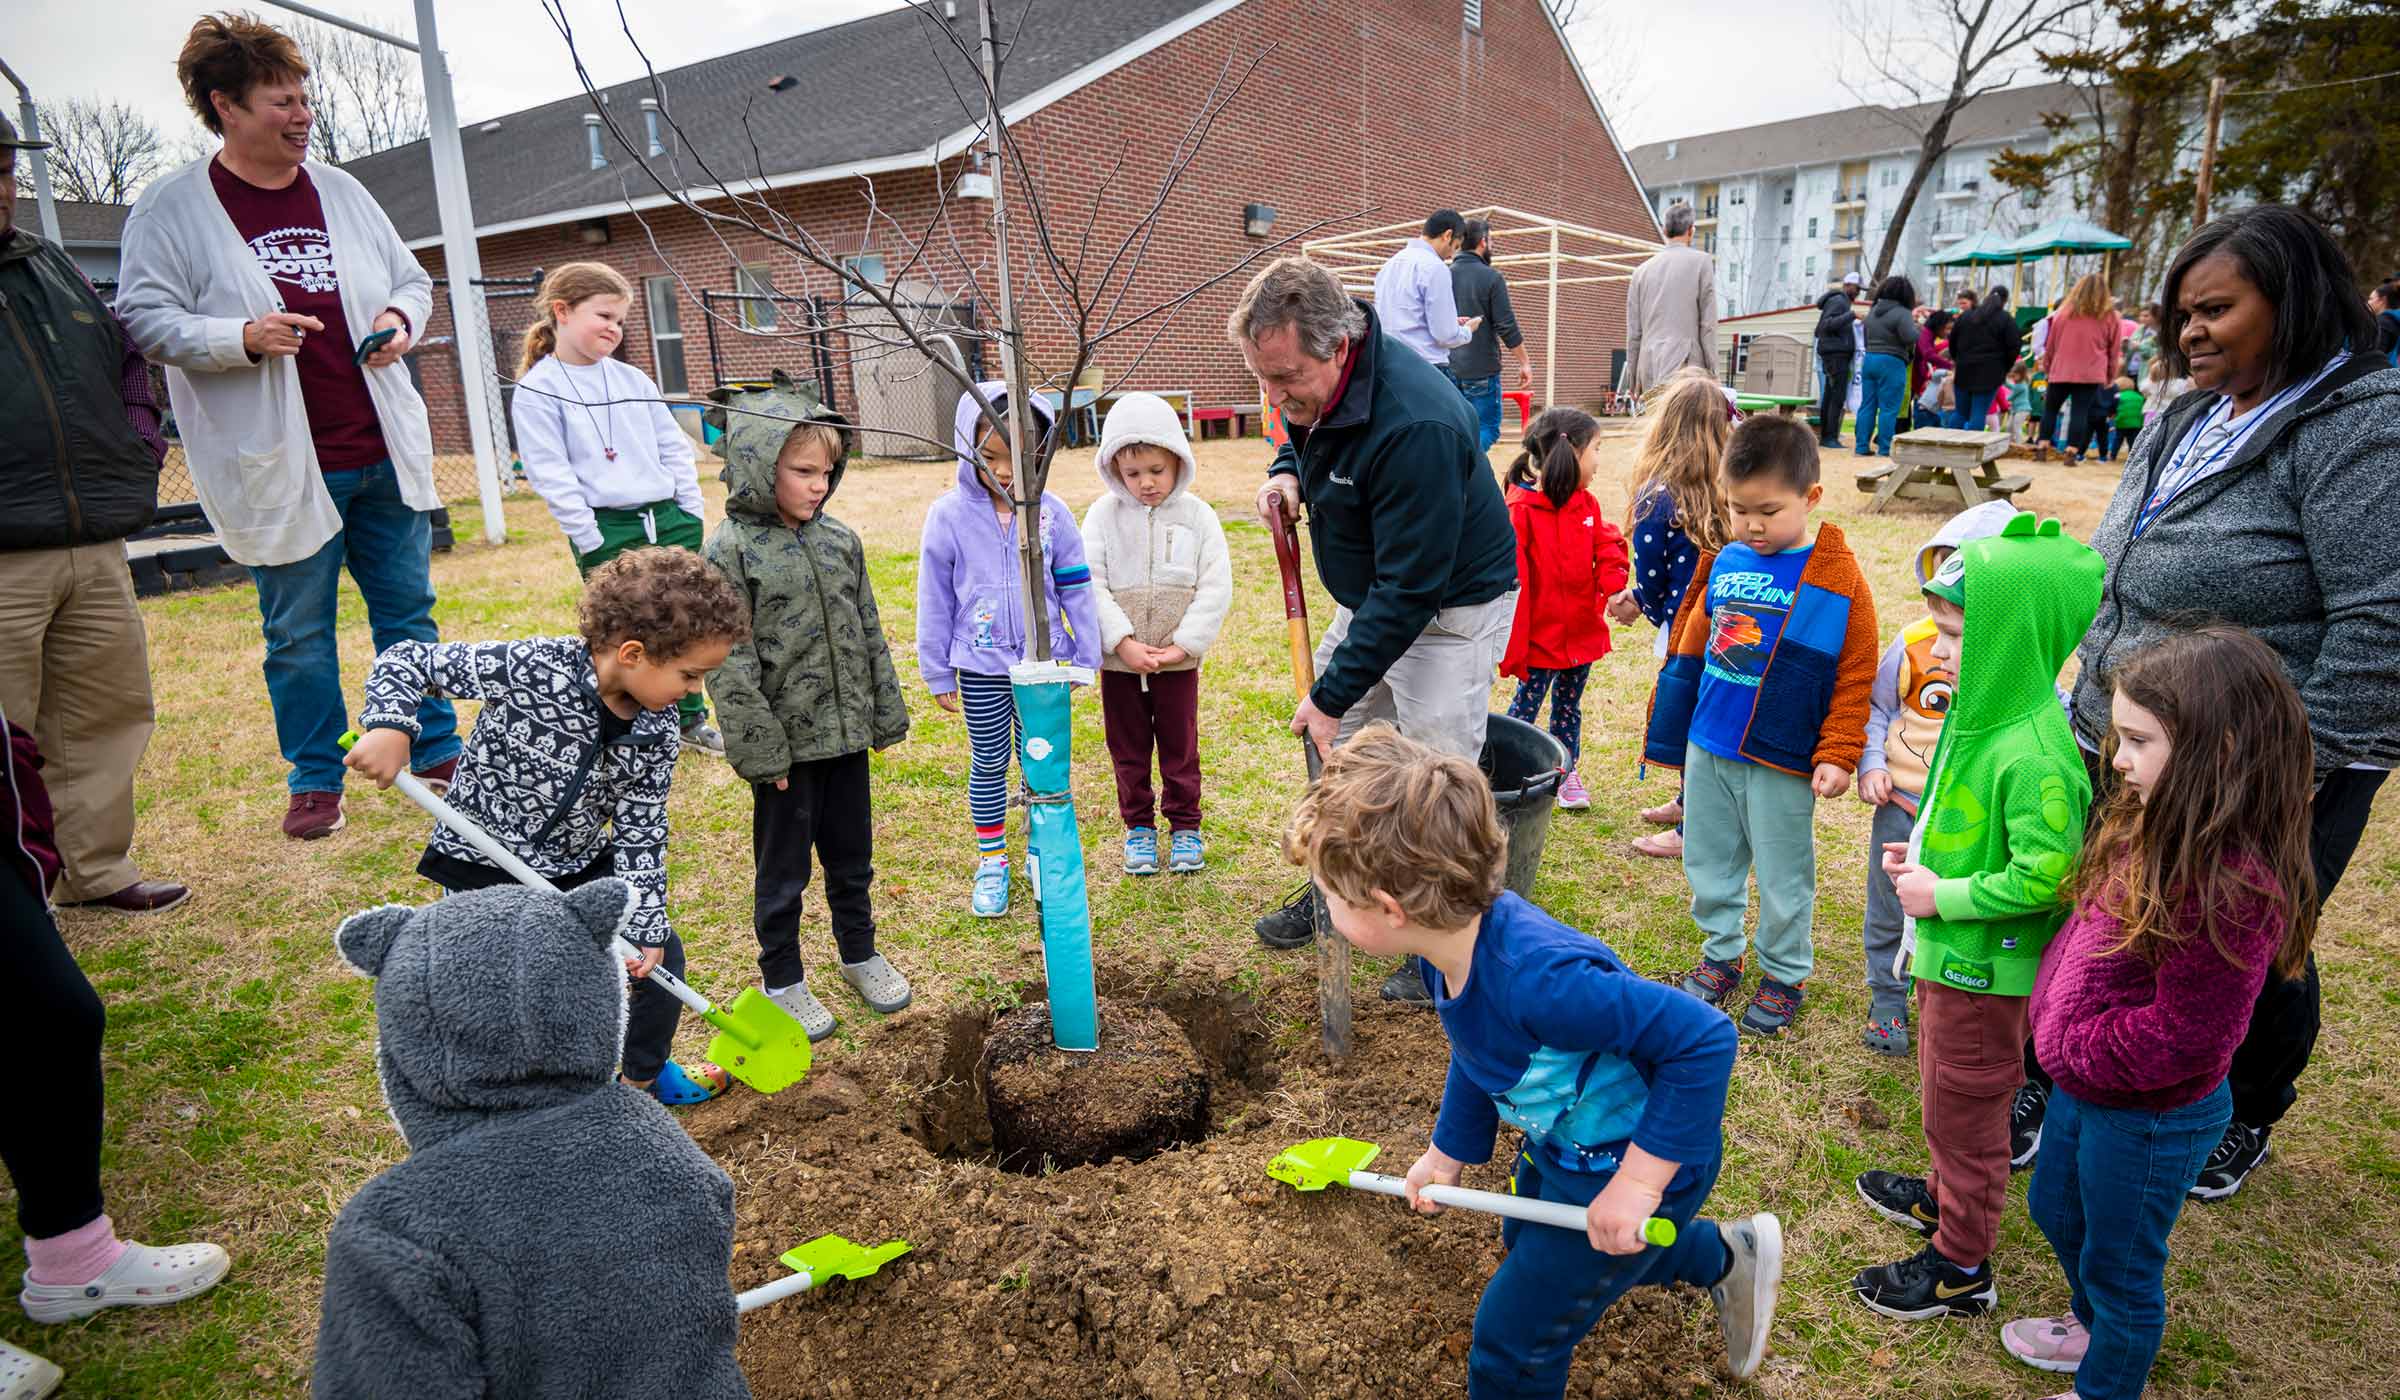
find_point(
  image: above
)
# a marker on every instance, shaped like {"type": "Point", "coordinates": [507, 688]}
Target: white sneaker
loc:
{"type": "Point", "coordinates": [25, 1376]}
{"type": "Point", "coordinates": [1746, 1295]}
{"type": "Point", "coordinates": [878, 984]}
{"type": "Point", "coordinates": [142, 1277]}
{"type": "Point", "coordinates": [804, 1007]}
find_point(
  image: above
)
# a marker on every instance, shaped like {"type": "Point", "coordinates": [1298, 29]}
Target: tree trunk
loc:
{"type": "Point", "coordinates": [1929, 151]}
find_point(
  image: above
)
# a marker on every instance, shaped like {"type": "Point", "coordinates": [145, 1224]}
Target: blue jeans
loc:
{"type": "Point", "coordinates": [2106, 1190]}
{"type": "Point", "coordinates": [389, 548]}
{"type": "Point", "coordinates": [1553, 1285]}
{"type": "Point", "coordinates": [1483, 395]}
{"type": "Point", "coordinates": [1883, 386]}
{"type": "Point", "coordinates": [1972, 409]}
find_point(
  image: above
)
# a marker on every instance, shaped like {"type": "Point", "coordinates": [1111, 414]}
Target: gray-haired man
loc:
{"type": "Point", "coordinates": [1671, 308]}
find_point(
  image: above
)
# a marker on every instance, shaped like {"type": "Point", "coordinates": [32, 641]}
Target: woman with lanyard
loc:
{"type": "Point", "coordinates": [2252, 502]}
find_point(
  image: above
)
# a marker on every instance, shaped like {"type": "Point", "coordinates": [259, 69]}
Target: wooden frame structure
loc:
{"type": "Point", "coordinates": [1556, 254]}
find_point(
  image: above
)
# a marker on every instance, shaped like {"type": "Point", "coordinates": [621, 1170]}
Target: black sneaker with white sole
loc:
{"type": "Point", "coordinates": [2240, 1152]}
{"type": "Point", "coordinates": [1925, 1286]}
{"type": "Point", "coordinates": [1901, 1199]}
{"type": "Point", "coordinates": [2025, 1124]}
{"type": "Point", "coordinates": [1292, 924]}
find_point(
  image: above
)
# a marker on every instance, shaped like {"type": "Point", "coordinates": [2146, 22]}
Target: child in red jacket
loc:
{"type": "Point", "coordinates": [1570, 562]}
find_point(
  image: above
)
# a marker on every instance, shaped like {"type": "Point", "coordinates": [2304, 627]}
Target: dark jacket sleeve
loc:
{"type": "Point", "coordinates": [1502, 315]}
{"type": "Point", "coordinates": [1416, 541]}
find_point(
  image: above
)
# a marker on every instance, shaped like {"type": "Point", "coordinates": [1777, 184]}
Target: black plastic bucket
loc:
{"type": "Point", "coordinates": [1525, 766]}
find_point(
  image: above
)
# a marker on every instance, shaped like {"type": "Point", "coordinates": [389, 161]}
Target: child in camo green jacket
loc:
{"type": "Point", "coordinates": [808, 695]}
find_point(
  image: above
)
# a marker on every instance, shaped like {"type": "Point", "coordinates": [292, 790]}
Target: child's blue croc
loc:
{"type": "Point", "coordinates": [991, 888]}
{"type": "Point", "coordinates": [677, 1087]}
{"type": "Point", "coordinates": [1186, 852]}
{"type": "Point", "coordinates": [1141, 851]}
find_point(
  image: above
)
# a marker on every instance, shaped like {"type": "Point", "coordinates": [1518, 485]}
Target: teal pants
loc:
{"type": "Point", "coordinates": [659, 523]}
{"type": "Point", "coordinates": [1740, 818]}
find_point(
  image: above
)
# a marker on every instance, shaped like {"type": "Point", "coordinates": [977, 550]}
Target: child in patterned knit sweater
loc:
{"type": "Point", "coordinates": [2195, 886]}
{"type": "Point", "coordinates": [571, 759]}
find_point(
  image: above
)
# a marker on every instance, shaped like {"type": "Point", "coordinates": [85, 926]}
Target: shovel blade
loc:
{"type": "Point", "coordinates": [831, 1256]}
{"type": "Point", "coordinates": [763, 1046]}
{"type": "Point", "coordinates": [1321, 1162]}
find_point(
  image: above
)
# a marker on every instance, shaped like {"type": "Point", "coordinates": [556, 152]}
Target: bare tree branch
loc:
{"type": "Point", "coordinates": [100, 152]}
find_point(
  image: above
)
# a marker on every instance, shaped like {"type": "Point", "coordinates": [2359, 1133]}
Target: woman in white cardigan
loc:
{"type": "Point", "coordinates": [260, 280]}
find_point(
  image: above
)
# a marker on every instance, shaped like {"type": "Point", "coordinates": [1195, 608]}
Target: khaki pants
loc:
{"type": "Point", "coordinates": [1440, 690]}
{"type": "Point", "coordinates": [75, 670]}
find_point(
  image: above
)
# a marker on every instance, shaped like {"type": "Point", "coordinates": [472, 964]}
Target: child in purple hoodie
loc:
{"type": "Point", "coordinates": [971, 616]}
{"type": "Point", "coordinates": [2180, 916]}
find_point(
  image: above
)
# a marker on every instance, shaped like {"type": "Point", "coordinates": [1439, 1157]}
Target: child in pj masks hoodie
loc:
{"type": "Point", "coordinates": [1904, 722]}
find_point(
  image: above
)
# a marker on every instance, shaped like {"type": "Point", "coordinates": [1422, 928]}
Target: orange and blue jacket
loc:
{"type": "Point", "coordinates": [1811, 705]}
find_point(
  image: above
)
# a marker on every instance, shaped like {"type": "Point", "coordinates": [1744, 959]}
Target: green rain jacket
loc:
{"type": "Point", "coordinates": [815, 680]}
{"type": "Point", "coordinates": [2003, 814]}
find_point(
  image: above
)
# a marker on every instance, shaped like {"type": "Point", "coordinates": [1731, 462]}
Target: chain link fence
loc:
{"type": "Point", "coordinates": [504, 311]}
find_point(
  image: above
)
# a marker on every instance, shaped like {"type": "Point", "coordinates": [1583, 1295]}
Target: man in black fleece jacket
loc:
{"type": "Point", "coordinates": [1406, 522]}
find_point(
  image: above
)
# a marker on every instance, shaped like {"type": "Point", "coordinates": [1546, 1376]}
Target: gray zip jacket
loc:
{"type": "Point", "coordinates": [2287, 541]}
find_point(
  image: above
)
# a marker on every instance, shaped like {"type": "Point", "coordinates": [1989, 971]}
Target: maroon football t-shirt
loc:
{"type": "Point", "coordinates": [285, 229]}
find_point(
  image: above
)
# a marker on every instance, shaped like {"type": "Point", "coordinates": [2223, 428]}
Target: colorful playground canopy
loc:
{"type": "Point", "coordinates": [2066, 236]}
{"type": "Point", "coordinates": [1989, 248]}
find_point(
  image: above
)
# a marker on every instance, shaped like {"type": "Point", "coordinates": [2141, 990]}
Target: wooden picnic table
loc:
{"type": "Point", "coordinates": [1942, 464]}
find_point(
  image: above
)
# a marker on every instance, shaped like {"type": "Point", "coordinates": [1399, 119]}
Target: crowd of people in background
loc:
{"type": "Point", "coordinates": [2104, 964]}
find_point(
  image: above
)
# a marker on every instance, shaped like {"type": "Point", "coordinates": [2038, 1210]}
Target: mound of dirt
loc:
{"type": "Point", "coordinates": [1187, 1275]}
{"type": "Point", "coordinates": [1144, 1090]}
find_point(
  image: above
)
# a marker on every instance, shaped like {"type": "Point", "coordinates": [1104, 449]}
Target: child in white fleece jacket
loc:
{"type": "Point", "coordinates": [1163, 583]}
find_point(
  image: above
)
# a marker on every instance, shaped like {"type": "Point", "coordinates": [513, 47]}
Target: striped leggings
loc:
{"type": "Point", "coordinates": [991, 710]}
{"type": "Point", "coordinates": [1565, 688]}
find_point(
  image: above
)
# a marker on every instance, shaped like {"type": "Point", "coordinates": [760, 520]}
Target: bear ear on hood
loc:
{"type": "Point", "coordinates": [604, 908]}
{"type": "Point", "coordinates": [365, 939]}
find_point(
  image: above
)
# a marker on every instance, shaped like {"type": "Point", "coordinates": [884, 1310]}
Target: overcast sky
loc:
{"type": "Point", "coordinates": [1699, 68]}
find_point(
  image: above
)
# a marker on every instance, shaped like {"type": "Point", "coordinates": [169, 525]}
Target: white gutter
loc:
{"type": "Point", "coordinates": [948, 148]}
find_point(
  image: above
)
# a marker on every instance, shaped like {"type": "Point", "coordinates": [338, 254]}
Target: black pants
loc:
{"type": "Point", "coordinates": [2078, 400]}
{"type": "Point", "coordinates": [2266, 1067]}
{"type": "Point", "coordinates": [50, 1135]}
{"type": "Point", "coordinates": [1833, 394]}
{"type": "Point", "coordinates": [650, 1013]}
{"type": "Point", "coordinates": [824, 808]}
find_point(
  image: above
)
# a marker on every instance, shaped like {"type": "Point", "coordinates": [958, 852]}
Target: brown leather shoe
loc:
{"type": "Point", "coordinates": [438, 778]}
{"type": "Point", "coordinates": [141, 897]}
{"type": "Point", "coordinates": [313, 815]}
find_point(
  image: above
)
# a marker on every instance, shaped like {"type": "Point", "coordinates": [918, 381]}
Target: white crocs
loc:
{"type": "Point", "coordinates": [879, 984]}
{"type": "Point", "coordinates": [804, 1007]}
{"type": "Point", "coordinates": [25, 1376]}
{"type": "Point", "coordinates": [142, 1277]}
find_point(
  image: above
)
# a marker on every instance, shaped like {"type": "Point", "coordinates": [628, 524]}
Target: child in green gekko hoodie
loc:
{"type": "Point", "coordinates": [1997, 836]}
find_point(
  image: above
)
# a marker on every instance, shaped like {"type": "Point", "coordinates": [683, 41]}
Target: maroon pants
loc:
{"type": "Point", "coordinates": [1970, 1057]}
{"type": "Point", "coordinates": [1165, 716]}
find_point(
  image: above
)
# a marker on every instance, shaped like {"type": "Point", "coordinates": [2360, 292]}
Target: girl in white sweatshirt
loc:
{"type": "Point", "coordinates": [597, 440]}
{"type": "Point", "coordinates": [1163, 583]}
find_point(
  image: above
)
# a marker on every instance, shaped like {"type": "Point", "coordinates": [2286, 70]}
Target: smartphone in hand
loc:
{"type": "Point", "coordinates": [374, 343]}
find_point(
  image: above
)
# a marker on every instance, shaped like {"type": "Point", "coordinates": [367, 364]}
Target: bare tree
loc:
{"type": "Point", "coordinates": [100, 152]}
{"type": "Point", "coordinates": [369, 96]}
{"type": "Point", "coordinates": [1935, 57]}
{"type": "Point", "coordinates": [1605, 44]}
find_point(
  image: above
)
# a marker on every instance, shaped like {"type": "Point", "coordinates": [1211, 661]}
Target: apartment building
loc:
{"type": "Point", "coordinates": [1787, 206]}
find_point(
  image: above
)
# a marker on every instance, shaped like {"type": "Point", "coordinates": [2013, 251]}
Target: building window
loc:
{"type": "Point", "coordinates": [1809, 269]}
{"type": "Point", "coordinates": [1474, 15]}
{"type": "Point", "coordinates": [1787, 196]}
{"type": "Point", "coordinates": [1740, 194]}
{"type": "Point", "coordinates": [756, 280]}
{"type": "Point", "coordinates": [1891, 176]}
{"type": "Point", "coordinates": [1783, 271]}
{"type": "Point", "coordinates": [866, 267]}
{"type": "Point", "coordinates": [1812, 228]}
{"type": "Point", "coordinates": [666, 335]}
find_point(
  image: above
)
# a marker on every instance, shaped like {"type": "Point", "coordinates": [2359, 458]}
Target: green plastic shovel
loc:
{"type": "Point", "coordinates": [823, 1258]}
{"type": "Point", "coordinates": [757, 1042]}
{"type": "Point", "coordinates": [1339, 1161]}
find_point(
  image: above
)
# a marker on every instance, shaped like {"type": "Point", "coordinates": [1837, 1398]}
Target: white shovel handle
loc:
{"type": "Point", "coordinates": [750, 1299]}
{"type": "Point", "coordinates": [1558, 1213]}
{"type": "Point", "coordinates": [507, 860]}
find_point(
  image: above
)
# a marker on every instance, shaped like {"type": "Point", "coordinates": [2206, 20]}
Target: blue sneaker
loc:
{"type": "Point", "coordinates": [991, 887]}
{"type": "Point", "coordinates": [1141, 851]}
{"type": "Point", "coordinates": [1186, 852]}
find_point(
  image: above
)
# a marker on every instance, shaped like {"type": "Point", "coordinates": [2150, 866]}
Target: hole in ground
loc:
{"type": "Point", "coordinates": [1228, 1052]}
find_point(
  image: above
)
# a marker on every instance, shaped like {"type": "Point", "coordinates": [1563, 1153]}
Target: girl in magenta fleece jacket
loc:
{"type": "Point", "coordinates": [2195, 884]}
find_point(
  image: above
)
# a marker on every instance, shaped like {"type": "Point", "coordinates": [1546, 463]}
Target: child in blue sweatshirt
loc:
{"type": "Point", "coordinates": [1616, 1082]}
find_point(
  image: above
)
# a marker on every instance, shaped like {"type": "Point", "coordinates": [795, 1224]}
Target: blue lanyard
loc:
{"type": "Point", "coordinates": [2181, 473]}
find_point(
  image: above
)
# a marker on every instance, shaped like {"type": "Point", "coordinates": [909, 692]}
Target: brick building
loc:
{"type": "Point", "coordinates": [1360, 111]}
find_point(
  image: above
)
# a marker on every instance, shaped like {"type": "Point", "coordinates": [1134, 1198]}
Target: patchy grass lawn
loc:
{"type": "Point", "coordinates": [242, 1097]}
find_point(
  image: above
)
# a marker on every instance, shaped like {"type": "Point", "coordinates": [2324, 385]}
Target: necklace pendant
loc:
{"type": "Point", "coordinates": [610, 453]}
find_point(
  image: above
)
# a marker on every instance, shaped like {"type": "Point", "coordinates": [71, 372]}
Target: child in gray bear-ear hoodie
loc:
{"type": "Point", "coordinates": [552, 1233]}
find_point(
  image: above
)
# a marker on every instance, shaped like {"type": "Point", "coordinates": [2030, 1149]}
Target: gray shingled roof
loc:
{"type": "Point", "coordinates": [1845, 135]}
{"type": "Point", "coordinates": [864, 90]}
{"type": "Point", "coordinates": [80, 223]}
